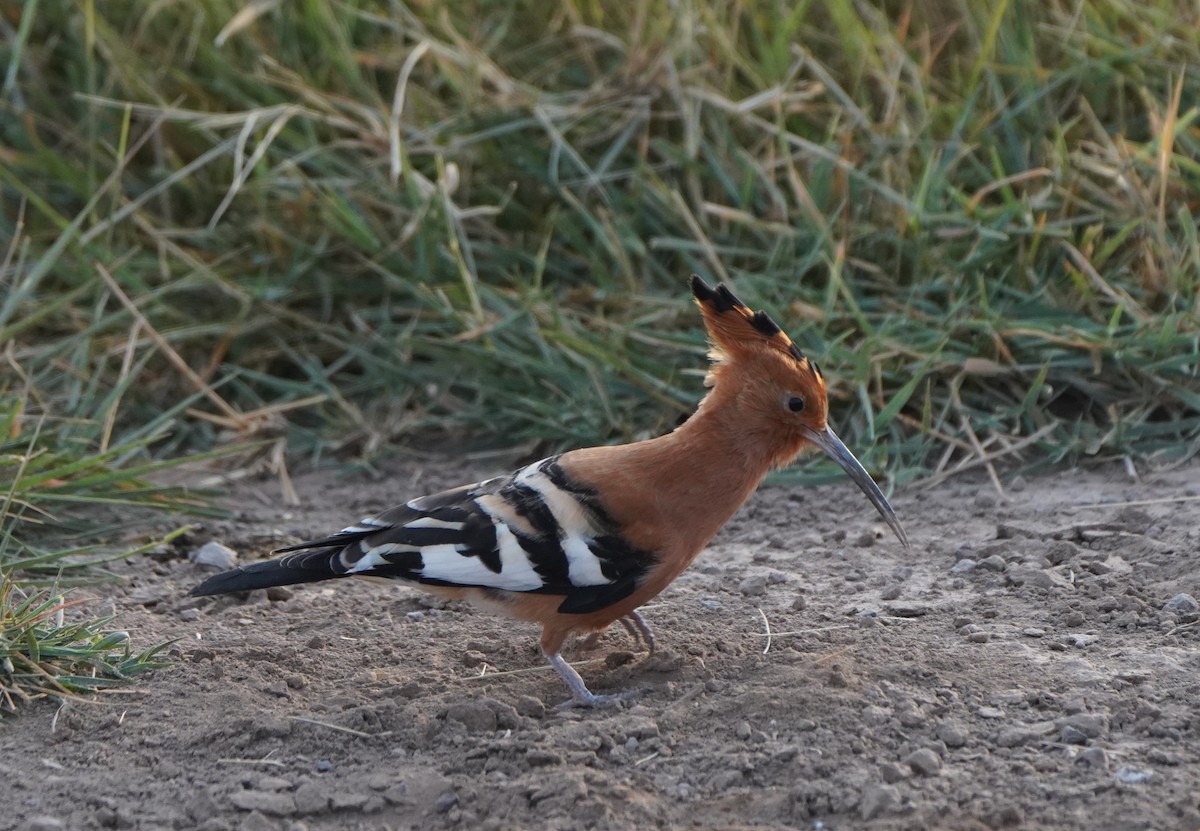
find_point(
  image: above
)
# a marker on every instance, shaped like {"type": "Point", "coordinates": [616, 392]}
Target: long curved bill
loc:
{"type": "Point", "coordinates": [828, 441]}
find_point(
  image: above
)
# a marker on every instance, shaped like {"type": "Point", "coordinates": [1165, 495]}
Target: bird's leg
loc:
{"type": "Point", "coordinates": [638, 629]}
{"type": "Point", "coordinates": [581, 696]}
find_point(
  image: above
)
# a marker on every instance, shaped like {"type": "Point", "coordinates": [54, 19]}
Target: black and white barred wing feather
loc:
{"type": "Point", "coordinates": [532, 531]}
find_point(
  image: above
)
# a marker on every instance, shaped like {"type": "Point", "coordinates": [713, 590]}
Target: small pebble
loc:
{"type": "Point", "coordinates": [1075, 618]}
{"type": "Point", "coordinates": [1093, 757]}
{"type": "Point", "coordinates": [952, 734]}
{"type": "Point", "coordinates": [414, 617]}
{"type": "Point", "coordinates": [278, 594]}
{"type": "Point", "coordinates": [215, 556]}
{"type": "Point", "coordinates": [273, 804]}
{"type": "Point", "coordinates": [963, 566]}
{"type": "Point", "coordinates": [891, 592]}
{"type": "Point", "coordinates": [989, 712]}
{"type": "Point", "coordinates": [43, 824]}
{"type": "Point", "coordinates": [189, 615]}
{"type": "Point", "coordinates": [924, 761]}
{"type": "Point", "coordinates": [323, 766]}
{"type": "Point", "coordinates": [1182, 604]}
{"type": "Point", "coordinates": [985, 499]}
{"type": "Point", "coordinates": [445, 802]}
{"type": "Point", "coordinates": [1091, 725]}
{"type": "Point", "coordinates": [878, 800]}
{"type": "Point", "coordinates": [892, 773]}
{"type": "Point", "coordinates": [754, 585]}
{"type": "Point", "coordinates": [993, 563]}
{"type": "Point", "coordinates": [1132, 776]}
{"type": "Point", "coordinates": [711, 604]}
{"type": "Point", "coordinates": [1018, 484]}
{"type": "Point", "coordinates": [865, 540]}
{"type": "Point", "coordinates": [528, 705]}
{"type": "Point", "coordinates": [1032, 632]}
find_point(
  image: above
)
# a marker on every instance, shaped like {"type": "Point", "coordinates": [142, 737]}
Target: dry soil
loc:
{"type": "Point", "coordinates": [1030, 662]}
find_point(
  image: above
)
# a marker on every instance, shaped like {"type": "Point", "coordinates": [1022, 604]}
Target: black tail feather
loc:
{"type": "Point", "coordinates": [284, 571]}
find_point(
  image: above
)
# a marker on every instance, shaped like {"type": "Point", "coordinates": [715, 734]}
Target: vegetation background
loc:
{"type": "Point", "coordinates": [334, 229]}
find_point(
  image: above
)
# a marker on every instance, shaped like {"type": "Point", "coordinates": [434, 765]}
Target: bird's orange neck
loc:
{"type": "Point", "coordinates": [672, 494]}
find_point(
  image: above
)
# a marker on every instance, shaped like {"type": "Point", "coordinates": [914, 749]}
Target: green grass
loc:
{"type": "Point", "coordinates": [363, 225]}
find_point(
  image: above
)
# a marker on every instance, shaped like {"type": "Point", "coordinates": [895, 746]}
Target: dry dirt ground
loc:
{"type": "Point", "coordinates": [1033, 661]}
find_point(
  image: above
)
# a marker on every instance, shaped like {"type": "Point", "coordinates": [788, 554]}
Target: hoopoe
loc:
{"type": "Point", "coordinates": [578, 541]}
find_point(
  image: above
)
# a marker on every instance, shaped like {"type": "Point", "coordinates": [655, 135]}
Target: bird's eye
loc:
{"type": "Point", "coordinates": [795, 403]}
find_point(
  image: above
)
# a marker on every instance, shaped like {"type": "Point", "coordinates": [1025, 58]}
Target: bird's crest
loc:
{"type": "Point", "coordinates": [735, 330]}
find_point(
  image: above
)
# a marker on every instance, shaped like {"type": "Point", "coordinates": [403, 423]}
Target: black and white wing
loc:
{"type": "Point", "coordinates": [535, 531]}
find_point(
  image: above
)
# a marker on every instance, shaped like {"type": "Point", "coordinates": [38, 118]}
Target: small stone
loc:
{"type": "Point", "coordinates": [323, 766]}
{"type": "Point", "coordinates": [1060, 551]}
{"type": "Point", "coordinates": [1071, 735]}
{"type": "Point", "coordinates": [43, 823]}
{"type": "Point", "coordinates": [189, 615]}
{"type": "Point", "coordinates": [878, 800]}
{"type": "Point", "coordinates": [952, 734]}
{"type": "Point", "coordinates": [1006, 816]}
{"type": "Point", "coordinates": [1093, 757]}
{"type": "Point", "coordinates": [1132, 776]}
{"type": "Point", "coordinates": [1033, 632]}
{"type": "Point", "coordinates": [1018, 484]}
{"type": "Point", "coordinates": [542, 758]}
{"type": "Point", "coordinates": [273, 783]}
{"type": "Point", "coordinates": [891, 592]}
{"type": "Point", "coordinates": [979, 637]}
{"type": "Point", "coordinates": [473, 658]}
{"type": "Point", "coordinates": [343, 801]}
{"type": "Point", "coordinates": [296, 682]}
{"type": "Point", "coordinates": [993, 562]}
{"type": "Point", "coordinates": [528, 705]}
{"type": "Point", "coordinates": [865, 540]}
{"type": "Point", "coordinates": [924, 761]}
{"type": "Point", "coordinates": [1182, 604]}
{"type": "Point", "coordinates": [477, 717]}
{"type": "Point", "coordinates": [1031, 576]}
{"type": "Point", "coordinates": [754, 585]}
{"type": "Point", "coordinates": [274, 804]}
{"type": "Point", "coordinates": [909, 608]}
{"type": "Point", "coordinates": [775, 577]}
{"type": "Point", "coordinates": [963, 566]}
{"type": "Point", "coordinates": [985, 499]}
{"type": "Point", "coordinates": [279, 594]}
{"type": "Point", "coordinates": [715, 604]}
{"type": "Point", "coordinates": [799, 604]}
{"type": "Point", "coordinates": [414, 617]}
{"type": "Point", "coordinates": [892, 773]}
{"type": "Point", "coordinates": [215, 556]}
{"type": "Point", "coordinates": [989, 712]}
{"type": "Point", "coordinates": [1091, 725]}
{"type": "Point", "coordinates": [311, 798]}
{"type": "Point", "coordinates": [742, 731]}
{"type": "Point", "coordinates": [1016, 736]}
{"type": "Point", "coordinates": [445, 802]}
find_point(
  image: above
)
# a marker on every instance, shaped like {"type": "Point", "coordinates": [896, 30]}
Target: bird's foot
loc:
{"type": "Point", "coordinates": [593, 701]}
{"type": "Point", "coordinates": [581, 696]}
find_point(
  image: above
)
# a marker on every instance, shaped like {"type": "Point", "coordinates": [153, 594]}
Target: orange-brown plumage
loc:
{"type": "Point", "coordinates": [579, 541]}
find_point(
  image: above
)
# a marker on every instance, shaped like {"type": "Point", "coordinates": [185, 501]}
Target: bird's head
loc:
{"type": "Point", "coordinates": [778, 390]}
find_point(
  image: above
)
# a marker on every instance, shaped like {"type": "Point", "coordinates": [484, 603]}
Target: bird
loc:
{"type": "Point", "coordinates": [580, 540]}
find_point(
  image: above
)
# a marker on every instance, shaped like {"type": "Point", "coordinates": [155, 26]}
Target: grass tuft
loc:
{"type": "Point", "coordinates": [45, 654]}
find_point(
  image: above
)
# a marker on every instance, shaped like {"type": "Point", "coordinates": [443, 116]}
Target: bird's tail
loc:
{"type": "Point", "coordinates": [304, 566]}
